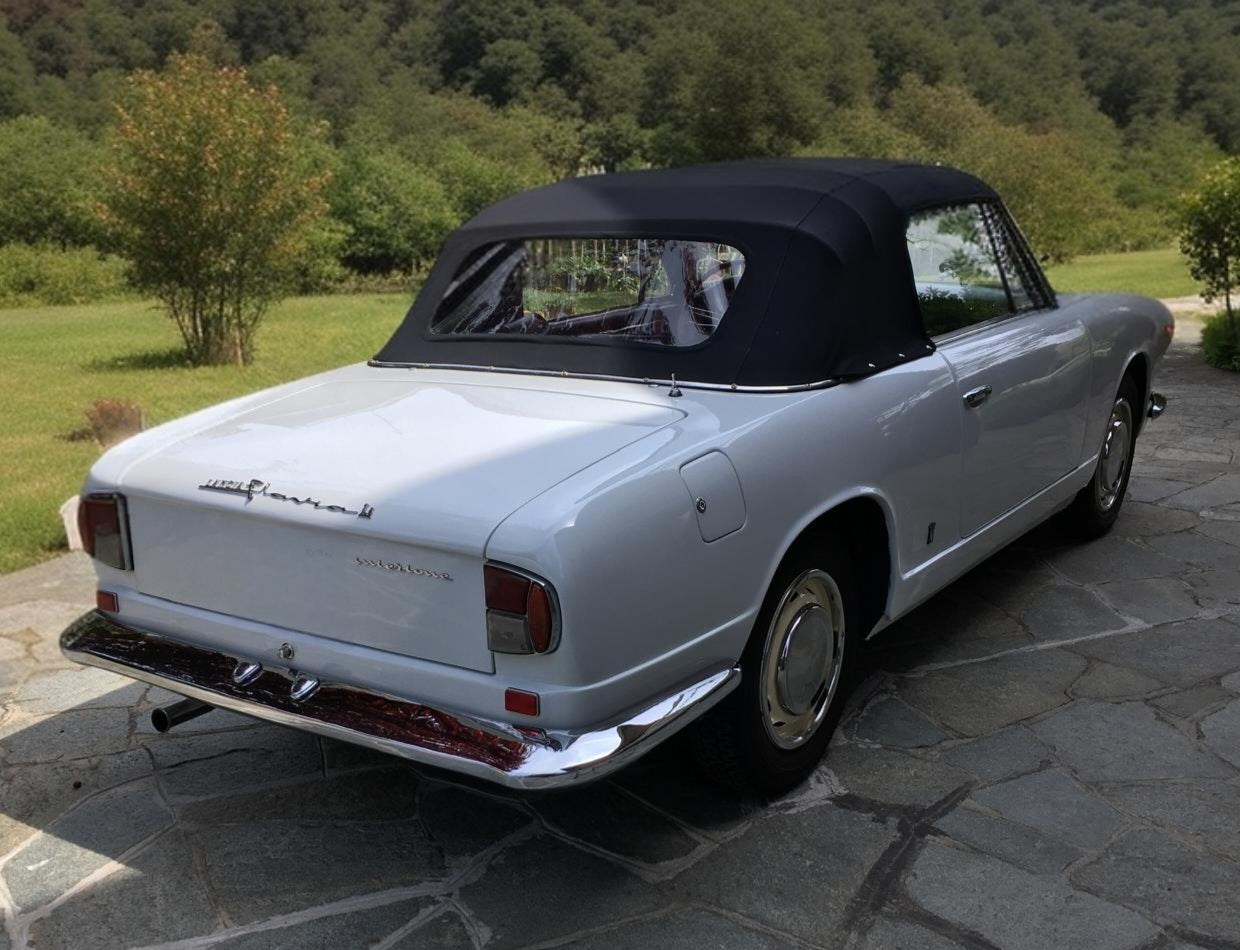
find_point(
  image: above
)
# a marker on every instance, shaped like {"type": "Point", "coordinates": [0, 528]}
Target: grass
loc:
{"type": "Point", "coordinates": [1158, 273]}
{"type": "Point", "coordinates": [56, 361]}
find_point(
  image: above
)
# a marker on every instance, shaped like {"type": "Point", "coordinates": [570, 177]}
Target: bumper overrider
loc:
{"type": "Point", "coordinates": [517, 757]}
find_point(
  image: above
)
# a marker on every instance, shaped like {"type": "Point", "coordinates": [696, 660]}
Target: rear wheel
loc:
{"type": "Point", "coordinates": [773, 730]}
{"type": "Point", "coordinates": [1096, 506]}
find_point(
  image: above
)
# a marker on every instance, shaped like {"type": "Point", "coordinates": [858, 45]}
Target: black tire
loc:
{"type": "Point", "coordinates": [1096, 506]}
{"type": "Point", "coordinates": [732, 743]}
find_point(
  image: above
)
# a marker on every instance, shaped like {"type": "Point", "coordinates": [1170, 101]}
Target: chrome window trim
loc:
{"type": "Point", "coordinates": [641, 380]}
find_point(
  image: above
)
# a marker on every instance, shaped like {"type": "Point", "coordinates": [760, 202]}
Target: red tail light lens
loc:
{"type": "Point", "coordinates": [522, 615]}
{"type": "Point", "coordinates": [104, 525]}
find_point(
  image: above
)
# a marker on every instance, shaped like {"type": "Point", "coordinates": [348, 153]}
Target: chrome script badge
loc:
{"type": "Point", "coordinates": [256, 487]}
{"type": "Point", "coordinates": [397, 568]}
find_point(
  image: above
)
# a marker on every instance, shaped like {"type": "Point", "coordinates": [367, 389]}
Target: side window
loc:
{"type": "Point", "coordinates": [1026, 283]}
{"type": "Point", "coordinates": [955, 268]}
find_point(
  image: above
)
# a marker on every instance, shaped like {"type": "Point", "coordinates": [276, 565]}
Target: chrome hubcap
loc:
{"type": "Point", "coordinates": [1116, 453]}
{"type": "Point", "coordinates": [802, 659]}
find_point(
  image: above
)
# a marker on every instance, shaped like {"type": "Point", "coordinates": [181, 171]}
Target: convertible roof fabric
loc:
{"type": "Point", "coordinates": [828, 289]}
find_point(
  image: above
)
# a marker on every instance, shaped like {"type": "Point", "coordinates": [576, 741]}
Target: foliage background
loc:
{"type": "Point", "coordinates": [1089, 117]}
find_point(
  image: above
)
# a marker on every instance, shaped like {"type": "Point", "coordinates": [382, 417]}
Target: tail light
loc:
{"type": "Point", "coordinates": [103, 523]}
{"type": "Point", "coordinates": [522, 613]}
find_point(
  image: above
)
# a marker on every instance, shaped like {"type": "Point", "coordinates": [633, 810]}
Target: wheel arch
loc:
{"type": "Point", "coordinates": [1138, 368]}
{"type": "Point", "coordinates": [862, 523]}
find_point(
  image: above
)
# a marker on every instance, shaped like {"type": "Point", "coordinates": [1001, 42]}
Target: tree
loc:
{"type": "Point", "coordinates": [1210, 236]}
{"type": "Point", "coordinates": [211, 198]}
{"type": "Point", "coordinates": [48, 189]}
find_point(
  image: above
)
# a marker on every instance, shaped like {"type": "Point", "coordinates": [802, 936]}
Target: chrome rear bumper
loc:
{"type": "Point", "coordinates": [495, 751]}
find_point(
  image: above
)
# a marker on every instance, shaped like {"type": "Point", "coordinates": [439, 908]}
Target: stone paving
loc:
{"type": "Point", "coordinates": [1046, 755]}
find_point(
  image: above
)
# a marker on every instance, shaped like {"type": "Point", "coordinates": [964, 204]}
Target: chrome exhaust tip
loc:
{"type": "Point", "coordinates": [1158, 405]}
{"type": "Point", "coordinates": [165, 717]}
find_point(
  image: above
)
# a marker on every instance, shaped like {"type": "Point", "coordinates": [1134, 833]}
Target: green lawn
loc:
{"type": "Point", "coordinates": [55, 361]}
{"type": "Point", "coordinates": [1158, 273]}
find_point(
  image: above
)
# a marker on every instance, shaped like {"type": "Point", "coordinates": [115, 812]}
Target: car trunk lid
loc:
{"type": "Point", "coordinates": [360, 509]}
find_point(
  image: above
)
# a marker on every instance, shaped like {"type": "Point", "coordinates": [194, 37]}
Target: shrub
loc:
{"type": "Point", "coordinates": [32, 275]}
{"type": "Point", "coordinates": [1210, 240]}
{"type": "Point", "coordinates": [212, 200]}
{"type": "Point", "coordinates": [113, 420]}
{"type": "Point", "coordinates": [49, 186]}
{"type": "Point", "coordinates": [1219, 344]}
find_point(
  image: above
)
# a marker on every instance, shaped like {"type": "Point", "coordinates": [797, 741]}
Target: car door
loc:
{"type": "Point", "coordinates": [1021, 364]}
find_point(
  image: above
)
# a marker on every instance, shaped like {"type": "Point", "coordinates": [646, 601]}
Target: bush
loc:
{"type": "Point", "coordinates": [1219, 344]}
{"type": "Point", "coordinates": [49, 186]}
{"type": "Point", "coordinates": [31, 275]}
{"type": "Point", "coordinates": [213, 199]}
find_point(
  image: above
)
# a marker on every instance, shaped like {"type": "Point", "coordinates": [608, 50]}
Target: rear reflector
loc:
{"type": "Point", "coordinates": [520, 702]}
{"type": "Point", "coordinates": [522, 614]}
{"type": "Point", "coordinates": [106, 600]}
{"type": "Point", "coordinates": [104, 526]}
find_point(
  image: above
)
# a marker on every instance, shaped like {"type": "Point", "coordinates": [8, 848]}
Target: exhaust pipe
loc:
{"type": "Point", "coordinates": [165, 717]}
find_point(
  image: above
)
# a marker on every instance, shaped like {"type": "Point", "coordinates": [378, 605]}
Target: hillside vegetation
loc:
{"type": "Point", "coordinates": [1089, 117]}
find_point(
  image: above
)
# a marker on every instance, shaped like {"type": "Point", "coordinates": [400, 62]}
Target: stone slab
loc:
{"type": "Point", "coordinates": [1107, 681]}
{"type": "Point", "coordinates": [462, 823]}
{"type": "Point", "coordinates": [362, 928]}
{"type": "Point", "coordinates": [1065, 612]}
{"type": "Point", "coordinates": [1170, 882]}
{"type": "Point", "coordinates": [445, 931]}
{"type": "Point", "coordinates": [1221, 732]}
{"type": "Point", "coordinates": [890, 722]}
{"type": "Point", "coordinates": [1180, 654]}
{"type": "Point", "coordinates": [689, 929]}
{"type": "Point", "coordinates": [888, 933]}
{"type": "Point", "coordinates": [75, 734]}
{"type": "Point", "coordinates": [33, 796]}
{"type": "Point", "coordinates": [1053, 803]}
{"type": "Point", "coordinates": [615, 822]}
{"type": "Point", "coordinates": [60, 690]}
{"type": "Point", "coordinates": [1190, 703]}
{"type": "Point", "coordinates": [1152, 600]}
{"type": "Point", "coordinates": [159, 896]}
{"type": "Point", "coordinates": [198, 765]}
{"type": "Point", "coordinates": [1017, 910]}
{"type": "Point", "coordinates": [1114, 559]}
{"type": "Point", "coordinates": [577, 891]}
{"type": "Point", "coordinates": [1207, 813]}
{"type": "Point", "coordinates": [1010, 751]}
{"type": "Point", "coordinates": [379, 794]}
{"type": "Point", "coordinates": [888, 777]}
{"type": "Point", "coordinates": [980, 698]}
{"type": "Point", "coordinates": [308, 863]}
{"type": "Point", "coordinates": [1115, 742]}
{"type": "Point", "coordinates": [99, 830]}
{"type": "Point", "coordinates": [795, 873]}
{"type": "Point", "coordinates": [1016, 844]}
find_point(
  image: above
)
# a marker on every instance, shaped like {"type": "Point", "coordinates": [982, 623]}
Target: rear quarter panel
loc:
{"type": "Point", "coordinates": [647, 604]}
{"type": "Point", "coordinates": [1121, 328]}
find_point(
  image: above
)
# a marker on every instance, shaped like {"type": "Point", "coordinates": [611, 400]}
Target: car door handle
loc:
{"type": "Point", "coordinates": [975, 397]}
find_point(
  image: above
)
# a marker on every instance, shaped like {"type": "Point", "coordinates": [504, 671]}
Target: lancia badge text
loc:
{"type": "Point", "coordinates": [256, 487]}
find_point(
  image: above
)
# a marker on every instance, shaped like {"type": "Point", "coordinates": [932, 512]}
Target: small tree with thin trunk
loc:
{"type": "Point", "coordinates": [1210, 237]}
{"type": "Point", "coordinates": [211, 199]}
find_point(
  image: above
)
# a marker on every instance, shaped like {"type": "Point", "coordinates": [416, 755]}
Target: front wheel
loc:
{"type": "Point", "coordinates": [1096, 506]}
{"type": "Point", "coordinates": [773, 730]}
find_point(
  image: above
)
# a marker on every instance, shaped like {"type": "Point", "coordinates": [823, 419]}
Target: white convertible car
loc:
{"type": "Point", "coordinates": [648, 449]}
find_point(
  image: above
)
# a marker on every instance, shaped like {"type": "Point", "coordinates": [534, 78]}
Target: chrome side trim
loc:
{"type": "Point", "coordinates": [642, 380]}
{"type": "Point", "coordinates": [1158, 405]}
{"type": "Point", "coordinates": [510, 755]}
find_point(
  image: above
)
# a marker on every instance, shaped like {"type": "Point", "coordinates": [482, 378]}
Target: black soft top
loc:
{"type": "Point", "coordinates": [828, 290]}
